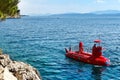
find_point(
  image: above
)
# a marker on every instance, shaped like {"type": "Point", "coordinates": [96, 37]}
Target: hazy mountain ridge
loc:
{"type": "Point", "coordinates": [105, 12]}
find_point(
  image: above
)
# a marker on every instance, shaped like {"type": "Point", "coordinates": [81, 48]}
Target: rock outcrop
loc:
{"type": "Point", "coordinates": [13, 70]}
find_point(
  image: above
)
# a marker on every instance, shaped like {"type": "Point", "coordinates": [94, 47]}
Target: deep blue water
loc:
{"type": "Point", "coordinates": [40, 41]}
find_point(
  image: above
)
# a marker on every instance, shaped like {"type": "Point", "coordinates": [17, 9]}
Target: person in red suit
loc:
{"type": "Point", "coordinates": [81, 50]}
{"type": "Point", "coordinates": [96, 51]}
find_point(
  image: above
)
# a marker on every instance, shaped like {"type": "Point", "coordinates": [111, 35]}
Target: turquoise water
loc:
{"type": "Point", "coordinates": [40, 41]}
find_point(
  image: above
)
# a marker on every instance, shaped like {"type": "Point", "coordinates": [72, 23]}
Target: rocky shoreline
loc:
{"type": "Point", "coordinates": [14, 70]}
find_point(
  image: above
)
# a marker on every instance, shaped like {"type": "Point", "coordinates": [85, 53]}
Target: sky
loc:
{"type": "Point", "coordinates": [66, 6]}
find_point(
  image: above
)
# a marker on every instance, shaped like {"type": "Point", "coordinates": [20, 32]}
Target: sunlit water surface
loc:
{"type": "Point", "coordinates": [40, 41]}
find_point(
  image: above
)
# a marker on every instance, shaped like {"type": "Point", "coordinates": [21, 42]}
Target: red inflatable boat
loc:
{"type": "Point", "coordinates": [94, 58]}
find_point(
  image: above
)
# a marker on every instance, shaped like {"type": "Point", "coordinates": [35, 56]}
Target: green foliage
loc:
{"type": "Point", "coordinates": [8, 8]}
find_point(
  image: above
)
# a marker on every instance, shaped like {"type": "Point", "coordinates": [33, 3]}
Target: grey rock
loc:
{"type": "Point", "coordinates": [16, 70]}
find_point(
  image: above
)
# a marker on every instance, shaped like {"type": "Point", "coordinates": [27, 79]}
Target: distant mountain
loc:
{"type": "Point", "coordinates": [73, 14]}
{"type": "Point", "coordinates": [96, 13]}
{"type": "Point", "coordinates": [107, 12]}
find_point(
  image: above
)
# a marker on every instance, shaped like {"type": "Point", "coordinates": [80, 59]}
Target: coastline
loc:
{"type": "Point", "coordinates": [16, 70]}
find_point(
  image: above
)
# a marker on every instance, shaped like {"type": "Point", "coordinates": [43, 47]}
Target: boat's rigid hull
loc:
{"type": "Point", "coordinates": [88, 58]}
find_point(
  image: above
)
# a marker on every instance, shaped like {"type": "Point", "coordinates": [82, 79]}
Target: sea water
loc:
{"type": "Point", "coordinates": [40, 41]}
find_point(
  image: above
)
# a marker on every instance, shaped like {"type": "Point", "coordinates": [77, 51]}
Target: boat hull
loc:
{"type": "Point", "coordinates": [88, 58]}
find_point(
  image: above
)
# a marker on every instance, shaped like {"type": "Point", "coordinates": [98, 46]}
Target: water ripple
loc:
{"type": "Point", "coordinates": [40, 41]}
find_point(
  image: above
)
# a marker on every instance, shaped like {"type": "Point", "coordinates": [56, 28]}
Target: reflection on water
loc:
{"type": "Point", "coordinates": [84, 69]}
{"type": "Point", "coordinates": [97, 72]}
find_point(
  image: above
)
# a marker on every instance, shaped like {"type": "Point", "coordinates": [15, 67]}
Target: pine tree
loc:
{"type": "Point", "coordinates": [8, 8]}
